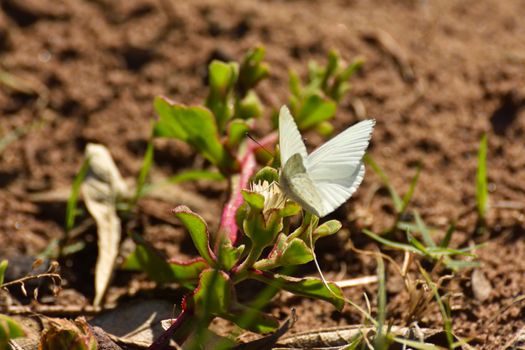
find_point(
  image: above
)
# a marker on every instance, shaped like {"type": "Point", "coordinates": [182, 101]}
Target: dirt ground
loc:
{"type": "Point", "coordinates": [455, 70]}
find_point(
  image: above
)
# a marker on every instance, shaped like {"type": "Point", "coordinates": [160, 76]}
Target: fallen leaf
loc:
{"type": "Point", "coordinates": [101, 189]}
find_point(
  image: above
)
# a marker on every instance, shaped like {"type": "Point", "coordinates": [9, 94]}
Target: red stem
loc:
{"type": "Point", "coordinates": [240, 182]}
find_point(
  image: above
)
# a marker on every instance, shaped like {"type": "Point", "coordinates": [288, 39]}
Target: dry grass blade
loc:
{"type": "Point", "coordinates": [101, 189]}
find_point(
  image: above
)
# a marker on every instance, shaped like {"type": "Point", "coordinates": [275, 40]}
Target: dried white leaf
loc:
{"type": "Point", "coordinates": [101, 189]}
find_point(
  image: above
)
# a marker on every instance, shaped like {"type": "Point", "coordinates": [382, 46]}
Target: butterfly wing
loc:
{"type": "Point", "coordinates": [290, 141]}
{"type": "Point", "coordinates": [298, 186]}
{"type": "Point", "coordinates": [336, 168]}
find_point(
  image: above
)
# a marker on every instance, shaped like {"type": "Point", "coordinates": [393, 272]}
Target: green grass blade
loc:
{"type": "Point", "coordinates": [423, 229]}
{"type": "Point", "coordinates": [398, 203]}
{"type": "Point", "coordinates": [457, 265]}
{"type": "Point", "coordinates": [448, 236]}
{"type": "Point", "coordinates": [194, 175]}
{"type": "Point", "coordinates": [443, 309]}
{"type": "Point", "coordinates": [380, 341]}
{"type": "Point", "coordinates": [482, 194]}
{"type": "Point", "coordinates": [3, 267]}
{"type": "Point", "coordinates": [391, 244]}
{"type": "Point", "coordinates": [408, 196]}
{"type": "Point", "coordinates": [417, 244]}
{"type": "Point", "coordinates": [144, 171]}
{"type": "Point", "coordinates": [71, 209]}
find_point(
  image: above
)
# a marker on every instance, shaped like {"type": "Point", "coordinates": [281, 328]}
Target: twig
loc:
{"type": "Point", "coordinates": [354, 282]}
{"type": "Point", "coordinates": [22, 280]}
{"type": "Point", "coordinates": [55, 310]}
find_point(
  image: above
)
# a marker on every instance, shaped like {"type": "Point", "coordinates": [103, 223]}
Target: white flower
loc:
{"type": "Point", "coordinates": [274, 198]}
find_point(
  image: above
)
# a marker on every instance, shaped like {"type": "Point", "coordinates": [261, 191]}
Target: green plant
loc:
{"type": "Point", "coordinates": [428, 248]}
{"type": "Point", "coordinates": [256, 238]}
{"type": "Point", "coordinates": [315, 102]}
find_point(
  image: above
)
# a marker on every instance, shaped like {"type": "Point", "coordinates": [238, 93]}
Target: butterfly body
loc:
{"type": "Point", "coordinates": [323, 180]}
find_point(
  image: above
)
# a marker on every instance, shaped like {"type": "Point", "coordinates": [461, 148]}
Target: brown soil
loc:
{"type": "Point", "coordinates": [456, 71]}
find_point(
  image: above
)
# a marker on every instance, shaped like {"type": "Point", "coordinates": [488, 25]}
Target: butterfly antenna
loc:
{"type": "Point", "coordinates": [257, 142]}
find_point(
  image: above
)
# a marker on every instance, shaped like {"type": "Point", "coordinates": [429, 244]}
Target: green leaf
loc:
{"type": "Point", "coordinates": [214, 293]}
{"type": "Point", "coordinates": [71, 208]}
{"type": "Point", "coordinates": [307, 287]}
{"type": "Point", "coordinates": [3, 267]}
{"type": "Point", "coordinates": [296, 252]}
{"type": "Point", "coordinates": [398, 203]}
{"type": "Point", "coordinates": [251, 319]}
{"type": "Point", "coordinates": [222, 78]}
{"type": "Point", "coordinates": [408, 196]}
{"type": "Point", "coordinates": [249, 107]}
{"type": "Point", "coordinates": [229, 255]}
{"type": "Point", "coordinates": [237, 130]}
{"type": "Point", "coordinates": [482, 193]}
{"type": "Point", "coordinates": [315, 76]}
{"type": "Point", "coordinates": [331, 67]}
{"type": "Point", "coordinates": [340, 85]}
{"type": "Point", "coordinates": [198, 230]}
{"type": "Point", "coordinates": [326, 229]}
{"type": "Point", "coordinates": [262, 231]}
{"type": "Point", "coordinates": [146, 258]}
{"type": "Point", "coordinates": [194, 125]}
{"type": "Point", "coordinates": [254, 199]}
{"type": "Point", "coordinates": [252, 70]}
{"type": "Point", "coordinates": [290, 209]}
{"type": "Point", "coordinates": [9, 329]}
{"type": "Point", "coordinates": [315, 110]}
{"type": "Point", "coordinates": [351, 69]}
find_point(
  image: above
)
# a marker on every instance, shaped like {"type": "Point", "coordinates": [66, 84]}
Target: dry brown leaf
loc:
{"type": "Point", "coordinates": [101, 189]}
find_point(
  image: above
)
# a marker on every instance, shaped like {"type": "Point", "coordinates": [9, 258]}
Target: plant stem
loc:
{"type": "Point", "coordinates": [239, 182]}
{"type": "Point", "coordinates": [252, 257]}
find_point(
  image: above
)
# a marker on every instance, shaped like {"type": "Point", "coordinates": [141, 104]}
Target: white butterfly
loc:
{"type": "Point", "coordinates": [322, 181]}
